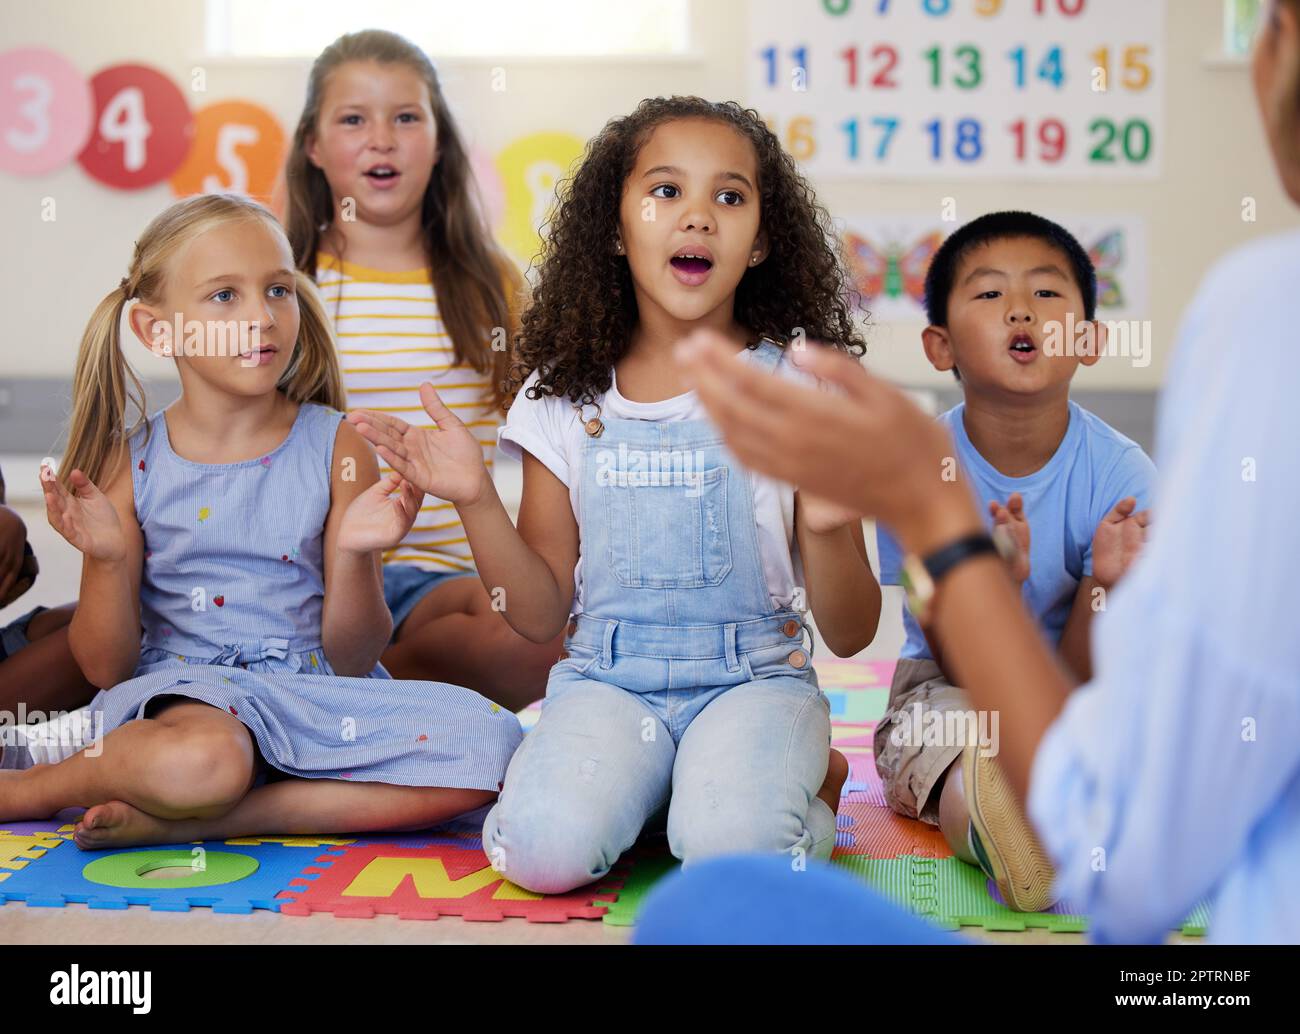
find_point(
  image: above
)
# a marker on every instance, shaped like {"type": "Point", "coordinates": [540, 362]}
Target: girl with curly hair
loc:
{"type": "Point", "coordinates": [686, 684]}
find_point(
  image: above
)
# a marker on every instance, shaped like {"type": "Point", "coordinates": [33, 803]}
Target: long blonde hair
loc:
{"type": "Point", "coordinates": [477, 286]}
{"type": "Point", "coordinates": [105, 385]}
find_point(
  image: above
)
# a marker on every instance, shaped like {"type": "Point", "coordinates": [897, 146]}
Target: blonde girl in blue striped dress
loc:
{"type": "Point", "coordinates": [231, 598]}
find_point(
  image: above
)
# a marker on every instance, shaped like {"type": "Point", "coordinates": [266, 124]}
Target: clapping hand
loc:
{"type": "Point", "coordinates": [444, 461]}
{"type": "Point", "coordinates": [83, 516]}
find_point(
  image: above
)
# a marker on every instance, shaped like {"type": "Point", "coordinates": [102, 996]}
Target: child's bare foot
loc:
{"type": "Point", "coordinates": [118, 824]}
{"type": "Point", "coordinates": [16, 802]}
{"type": "Point", "coordinates": [836, 773]}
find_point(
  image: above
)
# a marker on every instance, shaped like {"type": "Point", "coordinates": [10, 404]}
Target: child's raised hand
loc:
{"type": "Point", "coordinates": [1012, 517]}
{"type": "Point", "coordinates": [379, 517]}
{"type": "Point", "coordinates": [445, 460]}
{"type": "Point", "coordinates": [821, 516]}
{"type": "Point", "coordinates": [84, 516]}
{"type": "Point", "coordinates": [1118, 540]}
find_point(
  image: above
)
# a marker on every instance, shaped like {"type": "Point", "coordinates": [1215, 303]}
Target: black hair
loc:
{"type": "Point", "coordinates": [1000, 226]}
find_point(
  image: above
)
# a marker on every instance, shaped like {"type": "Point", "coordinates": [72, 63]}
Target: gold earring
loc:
{"type": "Point", "coordinates": [618, 247]}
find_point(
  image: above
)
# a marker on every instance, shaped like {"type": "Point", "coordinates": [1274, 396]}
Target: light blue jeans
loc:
{"type": "Point", "coordinates": [738, 767]}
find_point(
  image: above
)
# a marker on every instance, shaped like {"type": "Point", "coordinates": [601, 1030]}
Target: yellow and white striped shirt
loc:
{"type": "Point", "coordinates": [390, 340]}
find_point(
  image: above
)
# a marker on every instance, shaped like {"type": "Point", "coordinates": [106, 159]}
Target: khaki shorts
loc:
{"type": "Point", "coordinates": [911, 769]}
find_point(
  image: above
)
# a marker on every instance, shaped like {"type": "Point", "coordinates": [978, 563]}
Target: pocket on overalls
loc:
{"type": "Point", "coordinates": [578, 658]}
{"type": "Point", "coordinates": [670, 532]}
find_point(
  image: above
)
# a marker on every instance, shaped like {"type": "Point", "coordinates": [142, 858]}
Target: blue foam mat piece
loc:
{"type": "Point", "coordinates": [57, 880]}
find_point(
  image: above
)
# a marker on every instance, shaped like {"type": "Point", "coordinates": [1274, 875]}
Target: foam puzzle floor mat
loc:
{"type": "Point", "coordinates": [412, 876]}
{"type": "Point", "coordinates": [907, 860]}
{"type": "Point", "coordinates": [444, 872]}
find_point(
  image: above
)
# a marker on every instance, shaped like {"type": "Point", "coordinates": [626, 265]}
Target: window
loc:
{"type": "Point", "coordinates": [451, 29]}
{"type": "Point", "coordinates": [1240, 20]}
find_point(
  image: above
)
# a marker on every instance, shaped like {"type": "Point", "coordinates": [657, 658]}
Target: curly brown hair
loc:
{"type": "Point", "coordinates": [584, 310]}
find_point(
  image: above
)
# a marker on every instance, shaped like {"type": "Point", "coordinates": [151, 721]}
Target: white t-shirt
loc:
{"type": "Point", "coordinates": [550, 429]}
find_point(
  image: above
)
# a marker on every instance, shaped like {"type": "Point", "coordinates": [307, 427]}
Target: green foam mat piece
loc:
{"type": "Point", "coordinates": [647, 870]}
{"type": "Point", "coordinates": [946, 891]}
{"type": "Point", "coordinates": [890, 876]}
{"type": "Point", "coordinates": [1198, 923]}
{"type": "Point", "coordinates": [952, 894]}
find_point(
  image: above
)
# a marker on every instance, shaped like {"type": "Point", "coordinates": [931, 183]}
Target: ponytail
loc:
{"type": "Point", "coordinates": [313, 374]}
{"type": "Point", "coordinates": [102, 387]}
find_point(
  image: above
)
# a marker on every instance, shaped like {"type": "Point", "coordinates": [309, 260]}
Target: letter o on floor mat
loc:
{"type": "Point", "coordinates": [132, 868]}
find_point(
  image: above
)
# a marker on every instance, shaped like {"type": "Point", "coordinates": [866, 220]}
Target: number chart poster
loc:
{"type": "Point", "coordinates": [1010, 89]}
{"type": "Point", "coordinates": [887, 258]}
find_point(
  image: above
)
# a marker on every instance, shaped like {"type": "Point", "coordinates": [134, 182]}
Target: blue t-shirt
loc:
{"type": "Point", "coordinates": [1093, 468]}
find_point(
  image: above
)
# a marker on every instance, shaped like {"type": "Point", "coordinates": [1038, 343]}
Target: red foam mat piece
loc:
{"type": "Point", "coordinates": [429, 882]}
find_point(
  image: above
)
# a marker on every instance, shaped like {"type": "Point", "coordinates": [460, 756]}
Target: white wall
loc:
{"type": "Point", "coordinates": [52, 273]}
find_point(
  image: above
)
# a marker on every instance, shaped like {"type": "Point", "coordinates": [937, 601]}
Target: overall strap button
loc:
{"type": "Point", "coordinates": [791, 628]}
{"type": "Point", "coordinates": [798, 659]}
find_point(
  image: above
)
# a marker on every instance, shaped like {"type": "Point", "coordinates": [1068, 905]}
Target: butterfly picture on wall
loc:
{"type": "Point", "coordinates": [1107, 256]}
{"type": "Point", "coordinates": [894, 271]}
{"type": "Point", "coordinates": [886, 260]}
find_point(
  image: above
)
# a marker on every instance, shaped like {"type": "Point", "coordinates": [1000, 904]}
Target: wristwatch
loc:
{"type": "Point", "coordinates": [920, 575]}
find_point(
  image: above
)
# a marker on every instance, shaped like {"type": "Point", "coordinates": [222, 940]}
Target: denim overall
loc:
{"type": "Point", "coordinates": [681, 685]}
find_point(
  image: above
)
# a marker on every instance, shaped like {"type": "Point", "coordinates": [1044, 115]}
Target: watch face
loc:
{"type": "Point", "coordinates": [917, 586]}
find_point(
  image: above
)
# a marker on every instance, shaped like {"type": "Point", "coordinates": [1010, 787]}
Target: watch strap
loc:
{"type": "Point", "coordinates": [945, 558]}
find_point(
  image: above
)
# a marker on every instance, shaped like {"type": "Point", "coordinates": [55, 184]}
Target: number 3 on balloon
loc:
{"type": "Point", "coordinates": [45, 111]}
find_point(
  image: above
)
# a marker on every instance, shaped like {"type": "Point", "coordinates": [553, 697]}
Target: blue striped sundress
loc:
{"type": "Point", "coordinates": [231, 595]}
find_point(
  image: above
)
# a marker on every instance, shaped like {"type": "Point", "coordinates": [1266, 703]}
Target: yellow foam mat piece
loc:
{"type": "Point", "coordinates": [17, 851]}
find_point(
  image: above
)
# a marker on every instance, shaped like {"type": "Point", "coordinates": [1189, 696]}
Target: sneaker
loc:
{"type": "Point", "coordinates": [1001, 837]}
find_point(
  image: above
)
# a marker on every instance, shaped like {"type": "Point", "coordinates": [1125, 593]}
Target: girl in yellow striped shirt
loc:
{"type": "Point", "coordinates": [382, 212]}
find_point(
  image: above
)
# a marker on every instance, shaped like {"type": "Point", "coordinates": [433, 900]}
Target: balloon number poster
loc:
{"type": "Point", "coordinates": [1011, 89]}
{"type": "Point", "coordinates": [130, 127]}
